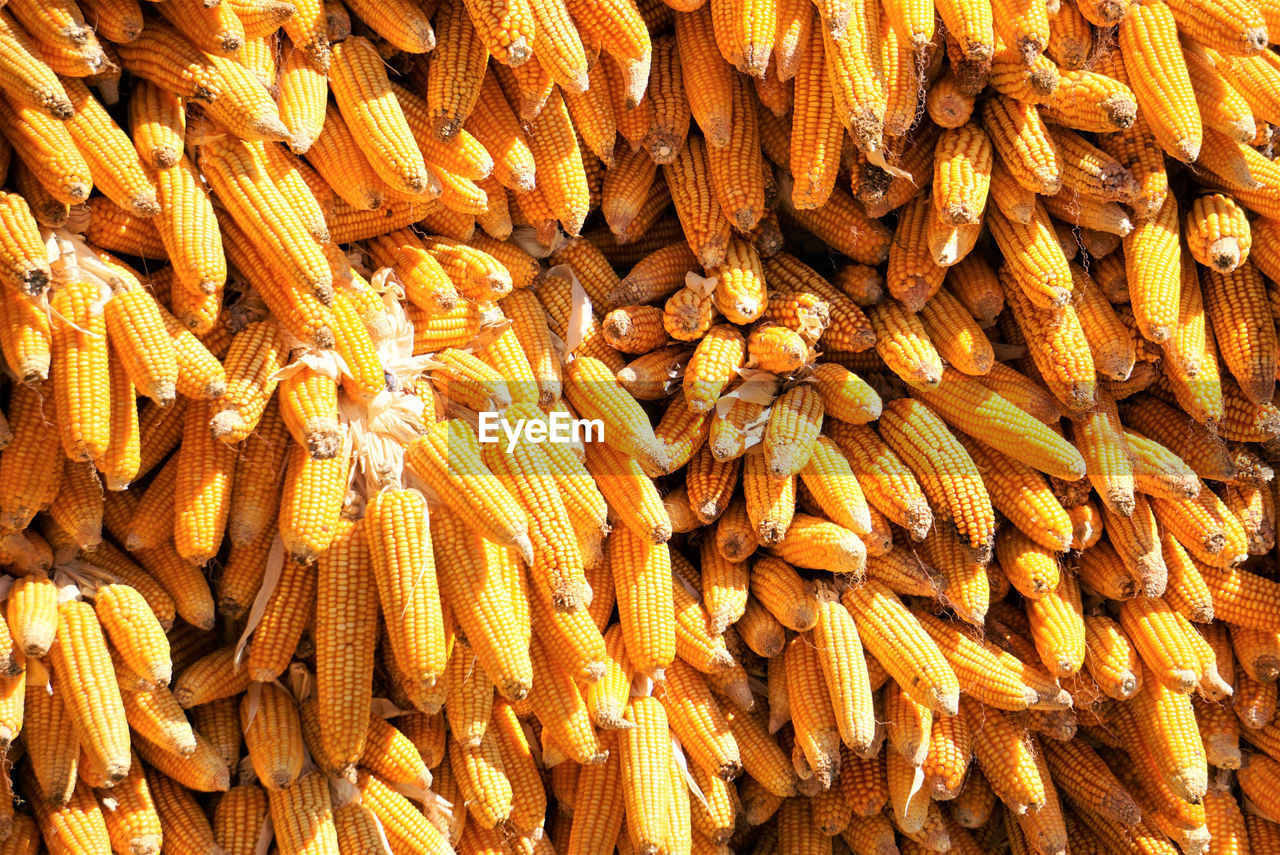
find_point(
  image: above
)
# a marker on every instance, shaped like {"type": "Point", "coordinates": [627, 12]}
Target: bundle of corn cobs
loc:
{"type": "Point", "coordinates": [874, 531]}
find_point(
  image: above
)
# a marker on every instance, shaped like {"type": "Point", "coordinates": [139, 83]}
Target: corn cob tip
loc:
{"type": "Point", "coordinates": [226, 422]}
{"type": "Point", "coordinates": [663, 146]}
{"type": "Point", "coordinates": [1187, 149]}
{"type": "Point", "coordinates": [519, 52]}
{"type": "Point", "coordinates": [1122, 111]}
{"type": "Point", "coordinates": [300, 142]}
{"type": "Point", "coordinates": [524, 547]}
{"type": "Point", "coordinates": [947, 703]}
{"type": "Point", "coordinates": [1254, 40]}
{"type": "Point", "coordinates": [1224, 253]}
{"type": "Point", "coordinates": [446, 128]}
{"type": "Point", "coordinates": [144, 204]}
{"type": "Point", "coordinates": [271, 129]}
{"type": "Point", "coordinates": [572, 597]}
{"type": "Point", "coordinates": [59, 108]}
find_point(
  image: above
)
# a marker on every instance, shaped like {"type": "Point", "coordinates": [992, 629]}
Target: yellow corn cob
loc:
{"type": "Point", "coordinates": [1232, 303]}
{"type": "Point", "coordinates": [81, 373]}
{"type": "Point", "coordinates": [119, 22]}
{"type": "Point", "coordinates": [1110, 344]}
{"type": "Point", "coordinates": [401, 23]}
{"type": "Point", "coordinates": [23, 266]}
{"type": "Point", "coordinates": [47, 153]}
{"type": "Point", "coordinates": [813, 542]}
{"type": "Point", "coordinates": [211, 29]}
{"type": "Point", "coordinates": [671, 111]}
{"type": "Point", "coordinates": [302, 816]}
{"type": "Point", "coordinates": [344, 656]}
{"type": "Point", "coordinates": [1057, 628]}
{"type": "Point", "coordinates": [990, 674]}
{"type": "Point", "coordinates": [705, 224]}
{"type": "Point", "coordinates": [902, 341]}
{"type": "Point", "coordinates": [303, 90]}
{"type": "Point", "coordinates": [255, 493]}
{"type": "Point", "coordinates": [915, 432]}
{"type": "Point", "coordinates": [257, 352]}
{"type": "Point", "coordinates": [287, 615]}
{"type": "Point", "coordinates": [1177, 750]}
{"type": "Point", "coordinates": [559, 164]}
{"type": "Point", "coordinates": [1034, 258]}
{"type": "Point", "coordinates": [1015, 201]}
{"type": "Point", "coordinates": [598, 803]}
{"type": "Point", "coordinates": [887, 483]}
{"type": "Point", "coordinates": [529, 800]}
{"type": "Point", "coordinates": [405, 827]}
{"type": "Point", "coordinates": [965, 579]}
{"type": "Point", "coordinates": [52, 745]}
{"type": "Point", "coordinates": [962, 174]}
{"type": "Point", "coordinates": [119, 172]}
{"type": "Point", "coordinates": [456, 70]}
{"type": "Point", "coordinates": [1222, 106]}
{"type": "Point", "coordinates": [813, 714]}
{"type": "Point", "coordinates": [272, 735]}
{"type": "Point", "coordinates": [815, 130]}
{"type": "Point", "coordinates": [557, 562]}
{"type": "Point", "coordinates": [1058, 347]}
{"type": "Point", "coordinates": [792, 600]}
{"type": "Point", "coordinates": [844, 669]}
{"type": "Point", "coordinates": [113, 228]}
{"type": "Point", "coordinates": [895, 637]}
{"type": "Point", "coordinates": [83, 670]}
{"type": "Point", "coordinates": [138, 336]}
{"type": "Point", "coordinates": [407, 585]}
{"type": "Point", "coordinates": [645, 754]}
{"type": "Point", "coordinates": [1100, 438]}
{"type": "Point", "coordinates": [476, 597]}
{"type": "Point", "coordinates": [578, 643]}
{"type": "Point", "coordinates": [493, 123]}
{"type": "Point", "coordinates": [710, 84]}
{"type": "Point", "coordinates": [48, 211]}
{"type": "Point", "coordinates": [242, 183]}
{"type": "Point", "coordinates": [507, 33]}
{"type": "Point", "coordinates": [134, 632]}
{"type": "Point", "coordinates": [368, 103]}
{"type": "Point", "coordinates": [1156, 69]}
{"type": "Point", "coordinates": [559, 705]}
{"type": "Point", "coordinates": [27, 79]}
{"type": "Point", "coordinates": [31, 612]}
{"type": "Point", "coordinates": [855, 86]}
{"type": "Point", "coordinates": [984, 414]}
{"type": "Point", "coordinates": [696, 720]}
{"type": "Point", "coordinates": [1092, 101]}
{"type": "Point", "coordinates": [997, 741]}
{"type": "Point", "coordinates": [348, 224]}
{"type": "Point", "coordinates": [202, 488]}
{"type": "Point", "coordinates": [26, 337]}
{"type": "Point", "coordinates": [336, 155]}
{"type": "Point", "coordinates": [392, 755]}
{"type": "Point", "coordinates": [1023, 143]}
{"type": "Point", "coordinates": [78, 507]}
{"type": "Point", "coordinates": [75, 826]}
{"type": "Point", "coordinates": [1025, 77]}
{"type": "Point", "coordinates": [634, 329]}
{"type": "Point", "coordinates": [1152, 262]}
{"type": "Point", "coordinates": [1217, 233]}
{"type": "Point", "coordinates": [239, 816]}
{"type": "Point", "coordinates": [913, 277]}
{"type": "Point", "coordinates": [1030, 567]}
{"type": "Point", "coordinates": [745, 35]}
